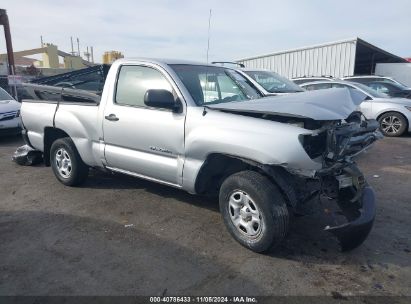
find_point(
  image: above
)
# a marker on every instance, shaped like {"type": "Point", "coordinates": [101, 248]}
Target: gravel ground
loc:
{"type": "Point", "coordinates": [118, 235]}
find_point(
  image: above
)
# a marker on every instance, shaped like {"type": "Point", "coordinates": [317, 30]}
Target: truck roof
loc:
{"type": "Point", "coordinates": [163, 61]}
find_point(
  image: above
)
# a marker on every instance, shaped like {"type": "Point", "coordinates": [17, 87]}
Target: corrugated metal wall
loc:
{"type": "Point", "coordinates": [334, 59]}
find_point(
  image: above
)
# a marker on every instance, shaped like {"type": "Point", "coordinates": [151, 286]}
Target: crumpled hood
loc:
{"type": "Point", "coordinates": [332, 104]}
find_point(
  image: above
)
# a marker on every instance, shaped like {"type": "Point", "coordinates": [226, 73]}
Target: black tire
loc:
{"type": "Point", "coordinates": [393, 131]}
{"type": "Point", "coordinates": [77, 172]}
{"type": "Point", "coordinates": [268, 201]}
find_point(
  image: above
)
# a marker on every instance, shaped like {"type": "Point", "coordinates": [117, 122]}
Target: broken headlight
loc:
{"type": "Point", "coordinates": [314, 145]}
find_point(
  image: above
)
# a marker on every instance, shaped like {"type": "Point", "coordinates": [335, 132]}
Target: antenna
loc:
{"type": "Point", "coordinates": [208, 38]}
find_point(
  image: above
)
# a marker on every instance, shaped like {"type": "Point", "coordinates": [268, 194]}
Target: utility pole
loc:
{"type": "Point", "coordinates": [72, 48]}
{"type": "Point", "coordinates": [78, 47]}
{"type": "Point", "coordinates": [4, 20]}
{"type": "Point", "coordinates": [87, 54]}
{"type": "Point", "coordinates": [92, 54]}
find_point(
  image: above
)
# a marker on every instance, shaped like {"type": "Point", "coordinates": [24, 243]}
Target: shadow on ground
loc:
{"type": "Point", "coordinates": [60, 254]}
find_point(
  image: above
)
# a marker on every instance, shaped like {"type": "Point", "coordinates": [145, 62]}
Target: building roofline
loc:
{"type": "Point", "coordinates": [376, 48]}
{"type": "Point", "coordinates": [352, 40]}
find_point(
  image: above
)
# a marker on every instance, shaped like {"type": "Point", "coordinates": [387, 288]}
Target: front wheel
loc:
{"type": "Point", "coordinates": [392, 124]}
{"type": "Point", "coordinates": [67, 165]}
{"type": "Point", "coordinates": [254, 210]}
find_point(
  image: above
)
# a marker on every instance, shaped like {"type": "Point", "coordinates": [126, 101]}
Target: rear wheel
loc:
{"type": "Point", "coordinates": [254, 210]}
{"type": "Point", "coordinates": [392, 124]}
{"type": "Point", "coordinates": [66, 163]}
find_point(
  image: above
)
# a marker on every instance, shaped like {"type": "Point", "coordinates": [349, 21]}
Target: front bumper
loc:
{"type": "Point", "coordinates": [10, 127]}
{"type": "Point", "coordinates": [10, 131]}
{"type": "Point", "coordinates": [361, 218]}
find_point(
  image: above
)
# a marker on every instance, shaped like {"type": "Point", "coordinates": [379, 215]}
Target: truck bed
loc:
{"type": "Point", "coordinates": [51, 94]}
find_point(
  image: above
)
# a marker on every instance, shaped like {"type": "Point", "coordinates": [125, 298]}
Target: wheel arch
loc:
{"type": "Point", "coordinates": [217, 167]}
{"type": "Point", "coordinates": [51, 135]}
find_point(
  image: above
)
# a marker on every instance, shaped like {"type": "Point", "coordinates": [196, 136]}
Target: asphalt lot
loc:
{"type": "Point", "coordinates": [56, 240]}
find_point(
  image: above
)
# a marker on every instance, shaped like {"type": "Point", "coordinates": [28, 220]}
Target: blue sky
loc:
{"type": "Point", "coordinates": [178, 29]}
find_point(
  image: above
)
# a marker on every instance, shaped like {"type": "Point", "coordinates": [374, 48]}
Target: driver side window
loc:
{"type": "Point", "coordinates": [134, 81]}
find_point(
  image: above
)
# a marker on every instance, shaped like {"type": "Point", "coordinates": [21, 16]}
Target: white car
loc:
{"type": "Point", "coordinates": [10, 122]}
{"type": "Point", "coordinates": [270, 83]}
{"type": "Point", "coordinates": [393, 114]}
{"type": "Point", "coordinates": [365, 79]}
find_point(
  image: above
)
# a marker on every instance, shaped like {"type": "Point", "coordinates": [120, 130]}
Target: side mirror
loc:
{"type": "Point", "coordinates": [158, 98]}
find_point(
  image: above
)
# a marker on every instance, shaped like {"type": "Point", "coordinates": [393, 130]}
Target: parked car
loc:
{"type": "Point", "coordinates": [365, 79]}
{"type": "Point", "coordinates": [382, 84]}
{"type": "Point", "coordinates": [204, 129]}
{"type": "Point", "coordinates": [270, 83]}
{"type": "Point", "coordinates": [10, 123]}
{"type": "Point", "coordinates": [305, 79]}
{"type": "Point", "coordinates": [391, 89]}
{"type": "Point", "coordinates": [393, 114]}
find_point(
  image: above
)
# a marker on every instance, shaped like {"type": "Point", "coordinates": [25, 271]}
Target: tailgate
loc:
{"type": "Point", "coordinates": [36, 115]}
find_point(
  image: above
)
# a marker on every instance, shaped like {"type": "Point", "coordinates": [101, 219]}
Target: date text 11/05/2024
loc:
{"type": "Point", "coordinates": [182, 299]}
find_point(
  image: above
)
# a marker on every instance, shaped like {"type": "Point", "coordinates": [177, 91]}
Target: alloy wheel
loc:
{"type": "Point", "coordinates": [391, 124]}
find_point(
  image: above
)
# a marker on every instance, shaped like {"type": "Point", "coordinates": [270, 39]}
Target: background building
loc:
{"type": "Point", "coordinates": [111, 56]}
{"type": "Point", "coordinates": [337, 59]}
{"type": "Point", "coordinates": [50, 58]}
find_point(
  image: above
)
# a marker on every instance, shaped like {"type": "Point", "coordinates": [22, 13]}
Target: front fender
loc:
{"type": "Point", "coordinates": [262, 141]}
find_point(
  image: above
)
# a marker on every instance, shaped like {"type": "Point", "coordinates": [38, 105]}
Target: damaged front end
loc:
{"type": "Point", "coordinates": [346, 197]}
{"type": "Point", "coordinates": [332, 133]}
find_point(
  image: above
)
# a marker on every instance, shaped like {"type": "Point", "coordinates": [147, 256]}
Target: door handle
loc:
{"type": "Point", "coordinates": [111, 117]}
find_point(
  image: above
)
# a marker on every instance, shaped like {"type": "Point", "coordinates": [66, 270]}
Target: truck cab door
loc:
{"type": "Point", "coordinates": [140, 140]}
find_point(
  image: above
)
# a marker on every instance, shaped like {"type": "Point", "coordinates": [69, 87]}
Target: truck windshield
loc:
{"type": "Point", "coordinates": [274, 83]}
{"type": "Point", "coordinates": [210, 84]}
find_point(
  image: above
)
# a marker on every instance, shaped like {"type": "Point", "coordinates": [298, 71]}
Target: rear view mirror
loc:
{"type": "Point", "coordinates": [161, 99]}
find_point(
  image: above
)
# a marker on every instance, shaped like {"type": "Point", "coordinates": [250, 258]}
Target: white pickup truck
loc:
{"type": "Point", "coordinates": [206, 129]}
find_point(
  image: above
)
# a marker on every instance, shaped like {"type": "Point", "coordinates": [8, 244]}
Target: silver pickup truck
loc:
{"type": "Point", "coordinates": [206, 129]}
